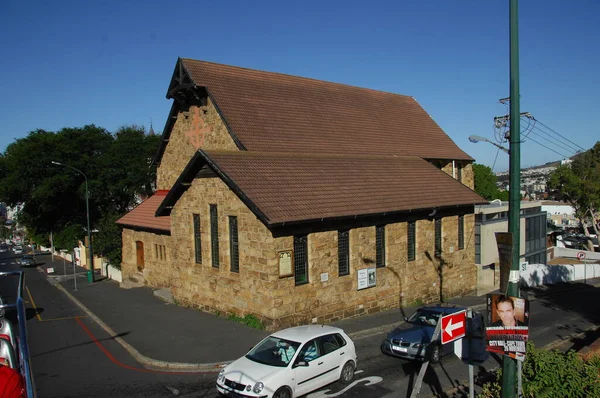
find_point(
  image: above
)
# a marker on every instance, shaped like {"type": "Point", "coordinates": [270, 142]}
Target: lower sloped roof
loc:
{"type": "Point", "coordinates": [284, 188]}
{"type": "Point", "coordinates": [143, 216]}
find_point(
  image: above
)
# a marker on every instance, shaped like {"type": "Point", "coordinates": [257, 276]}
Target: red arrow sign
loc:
{"type": "Point", "coordinates": [454, 326]}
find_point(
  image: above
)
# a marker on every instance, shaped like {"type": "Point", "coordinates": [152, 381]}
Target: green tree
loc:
{"type": "Point", "coordinates": [578, 184]}
{"type": "Point", "coordinates": [54, 197]}
{"type": "Point", "coordinates": [485, 183]}
{"type": "Point", "coordinates": [107, 241]}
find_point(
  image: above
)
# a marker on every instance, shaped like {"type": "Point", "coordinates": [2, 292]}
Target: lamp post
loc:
{"type": "Point", "coordinates": [90, 272]}
{"type": "Point", "coordinates": [478, 138]}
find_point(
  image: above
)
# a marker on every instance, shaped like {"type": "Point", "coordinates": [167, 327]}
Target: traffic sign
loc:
{"type": "Point", "coordinates": [454, 326]}
{"type": "Point", "coordinates": [581, 255]}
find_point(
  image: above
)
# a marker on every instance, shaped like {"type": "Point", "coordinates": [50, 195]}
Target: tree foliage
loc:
{"type": "Point", "coordinates": [485, 183]}
{"type": "Point", "coordinates": [117, 167]}
{"type": "Point", "coordinates": [578, 184]}
{"type": "Point", "coordinates": [107, 241]}
{"type": "Point", "coordinates": [552, 373]}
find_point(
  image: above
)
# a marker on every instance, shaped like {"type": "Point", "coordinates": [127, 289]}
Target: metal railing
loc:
{"type": "Point", "coordinates": [23, 358]}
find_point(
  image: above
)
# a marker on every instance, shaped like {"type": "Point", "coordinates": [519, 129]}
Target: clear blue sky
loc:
{"type": "Point", "coordinates": [71, 63]}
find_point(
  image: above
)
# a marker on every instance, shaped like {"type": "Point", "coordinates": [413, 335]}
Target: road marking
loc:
{"type": "Point", "coordinates": [116, 361]}
{"type": "Point", "coordinates": [323, 393]}
{"type": "Point", "coordinates": [39, 317]}
{"type": "Point", "coordinates": [37, 314]}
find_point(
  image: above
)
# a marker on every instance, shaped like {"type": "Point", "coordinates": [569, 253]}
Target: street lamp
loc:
{"type": "Point", "coordinates": [90, 272]}
{"type": "Point", "coordinates": [478, 138]}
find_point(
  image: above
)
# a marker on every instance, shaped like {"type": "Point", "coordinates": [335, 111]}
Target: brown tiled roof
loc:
{"type": "Point", "coordinates": [143, 215]}
{"type": "Point", "coordinates": [272, 112]}
{"type": "Point", "coordinates": [283, 187]}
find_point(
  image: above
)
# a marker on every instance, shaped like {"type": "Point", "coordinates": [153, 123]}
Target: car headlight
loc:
{"type": "Point", "coordinates": [258, 387]}
{"type": "Point", "coordinates": [221, 376]}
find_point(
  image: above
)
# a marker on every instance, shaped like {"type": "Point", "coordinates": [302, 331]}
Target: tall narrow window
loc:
{"type": "Point", "coordinates": [461, 232]}
{"type": "Point", "coordinates": [380, 246]}
{"type": "Point", "coordinates": [214, 236]}
{"type": "Point", "coordinates": [438, 237]}
{"type": "Point", "coordinates": [197, 241]}
{"type": "Point", "coordinates": [411, 233]}
{"type": "Point", "coordinates": [459, 172]}
{"type": "Point", "coordinates": [300, 259]}
{"type": "Point", "coordinates": [234, 254]}
{"type": "Point", "coordinates": [343, 253]}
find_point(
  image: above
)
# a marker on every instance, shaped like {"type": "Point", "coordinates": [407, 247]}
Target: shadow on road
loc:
{"type": "Point", "coordinates": [577, 297]}
{"type": "Point", "coordinates": [79, 345]}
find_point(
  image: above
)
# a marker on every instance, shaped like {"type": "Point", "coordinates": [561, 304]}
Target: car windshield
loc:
{"type": "Point", "coordinates": [424, 317]}
{"type": "Point", "coordinates": [274, 351]}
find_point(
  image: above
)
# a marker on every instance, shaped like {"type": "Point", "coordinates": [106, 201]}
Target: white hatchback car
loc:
{"type": "Point", "coordinates": [290, 363]}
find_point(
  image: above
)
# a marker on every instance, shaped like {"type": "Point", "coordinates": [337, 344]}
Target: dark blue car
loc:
{"type": "Point", "coordinates": [412, 339]}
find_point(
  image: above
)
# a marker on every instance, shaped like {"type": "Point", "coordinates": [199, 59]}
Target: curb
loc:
{"type": "Point", "coordinates": [148, 362]}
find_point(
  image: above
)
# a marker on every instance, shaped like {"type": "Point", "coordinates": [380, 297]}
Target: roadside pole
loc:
{"type": "Point", "coordinates": [74, 272]}
{"type": "Point", "coordinates": [419, 382]}
{"type": "Point", "coordinates": [509, 365]}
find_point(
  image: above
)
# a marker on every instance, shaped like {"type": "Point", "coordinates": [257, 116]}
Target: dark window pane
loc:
{"type": "Point", "coordinates": [412, 225]}
{"type": "Point", "coordinates": [438, 237]}
{"type": "Point", "coordinates": [197, 240]}
{"type": "Point", "coordinates": [461, 232]}
{"type": "Point", "coordinates": [343, 253]}
{"type": "Point", "coordinates": [380, 246]}
{"type": "Point", "coordinates": [300, 260]}
{"type": "Point", "coordinates": [233, 244]}
{"type": "Point", "coordinates": [214, 236]}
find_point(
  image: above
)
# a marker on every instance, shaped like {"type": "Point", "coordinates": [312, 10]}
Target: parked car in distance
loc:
{"type": "Point", "coordinates": [18, 249]}
{"type": "Point", "coordinates": [26, 261]}
{"type": "Point", "coordinates": [291, 363]}
{"type": "Point", "coordinates": [412, 339]}
{"type": "Point", "coordinates": [3, 248]}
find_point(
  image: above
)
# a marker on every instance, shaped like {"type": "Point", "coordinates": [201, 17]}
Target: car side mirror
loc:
{"type": "Point", "coordinates": [301, 363]}
{"type": "Point", "coordinates": [405, 319]}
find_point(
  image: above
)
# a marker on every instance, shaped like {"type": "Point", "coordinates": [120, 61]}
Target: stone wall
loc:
{"type": "Point", "coordinates": [198, 127]}
{"type": "Point", "coordinates": [156, 271]}
{"type": "Point", "coordinates": [468, 178]}
{"type": "Point", "coordinates": [258, 289]}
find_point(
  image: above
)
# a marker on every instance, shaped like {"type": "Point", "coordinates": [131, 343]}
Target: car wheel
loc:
{"type": "Point", "coordinates": [283, 392]}
{"type": "Point", "coordinates": [347, 373]}
{"type": "Point", "coordinates": [436, 354]}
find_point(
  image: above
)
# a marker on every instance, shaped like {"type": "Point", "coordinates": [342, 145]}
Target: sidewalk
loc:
{"type": "Point", "coordinates": [167, 336]}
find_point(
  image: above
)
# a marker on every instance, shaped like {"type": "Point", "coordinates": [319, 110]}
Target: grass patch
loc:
{"type": "Point", "coordinates": [248, 320]}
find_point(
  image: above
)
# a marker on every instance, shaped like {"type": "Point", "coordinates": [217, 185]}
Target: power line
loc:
{"type": "Point", "coordinates": [550, 149]}
{"type": "Point", "coordinates": [561, 136]}
{"type": "Point", "coordinates": [560, 145]}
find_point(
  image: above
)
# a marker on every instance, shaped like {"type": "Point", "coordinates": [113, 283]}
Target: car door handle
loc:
{"type": "Point", "coordinates": [320, 363]}
{"type": "Point", "coordinates": [342, 353]}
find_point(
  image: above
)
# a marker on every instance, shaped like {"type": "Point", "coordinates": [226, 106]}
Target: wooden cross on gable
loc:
{"type": "Point", "coordinates": [197, 133]}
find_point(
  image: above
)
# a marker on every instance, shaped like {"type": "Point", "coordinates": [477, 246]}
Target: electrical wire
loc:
{"type": "Point", "coordinates": [561, 136]}
{"type": "Point", "coordinates": [555, 144]}
{"type": "Point", "coordinates": [494, 165]}
{"type": "Point", "coordinates": [550, 149]}
{"type": "Point", "coordinates": [563, 145]}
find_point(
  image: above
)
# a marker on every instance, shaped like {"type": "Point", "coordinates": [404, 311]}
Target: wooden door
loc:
{"type": "Point", "coordinates": [139, 251]}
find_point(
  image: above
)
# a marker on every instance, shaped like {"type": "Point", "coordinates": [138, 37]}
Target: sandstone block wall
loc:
{"type": "Point", "coordinates": [198, 127]}
{"type": "Point", "coordinates": [155, 270]}
{"type": "Point", "coordinates": [257, 288]}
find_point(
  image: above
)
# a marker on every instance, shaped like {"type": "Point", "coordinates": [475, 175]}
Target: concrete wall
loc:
{"type": "Point", "coordinates": [540, 274]}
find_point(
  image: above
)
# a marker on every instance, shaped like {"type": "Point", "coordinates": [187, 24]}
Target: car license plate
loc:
{"type": "Point", "coordinates": [401, 349]}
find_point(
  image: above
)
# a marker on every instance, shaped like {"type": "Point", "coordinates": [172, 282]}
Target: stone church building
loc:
{"type": "Point", "coordinates": [301, 201]}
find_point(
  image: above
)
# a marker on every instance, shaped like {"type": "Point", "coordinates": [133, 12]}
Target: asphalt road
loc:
{"type": "Point", "coordinates": [73, 357]}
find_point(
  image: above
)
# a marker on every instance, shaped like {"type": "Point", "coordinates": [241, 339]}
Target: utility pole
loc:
{"type": "Point", "coordinates": [509, 365]}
